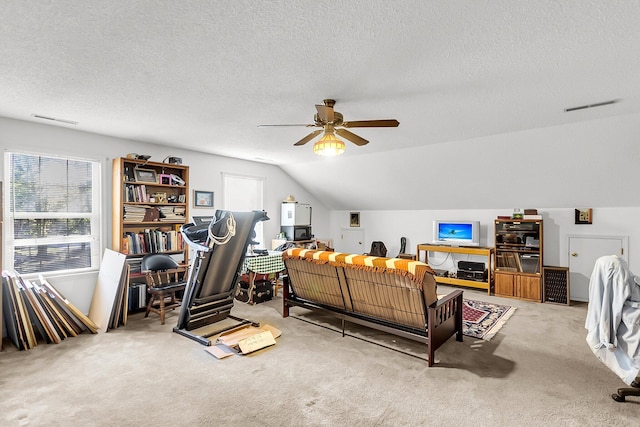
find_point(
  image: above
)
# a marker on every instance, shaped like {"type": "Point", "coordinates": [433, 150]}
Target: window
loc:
{"type": "Point", "coordinates": [244, 194]}
{"type": "Point", "coordinates": [52, 214]}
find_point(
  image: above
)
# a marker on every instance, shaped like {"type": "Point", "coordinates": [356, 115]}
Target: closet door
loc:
{"type": "Point", "coordinates": [583, 253]}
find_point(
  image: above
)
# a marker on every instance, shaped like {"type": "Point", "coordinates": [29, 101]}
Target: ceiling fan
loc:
{"type": "Point", "coordinates": [332, 122]}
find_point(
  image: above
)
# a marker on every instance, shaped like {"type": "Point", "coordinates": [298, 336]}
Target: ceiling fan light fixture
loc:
{"type": "Point", "coordinates": [328, 145]}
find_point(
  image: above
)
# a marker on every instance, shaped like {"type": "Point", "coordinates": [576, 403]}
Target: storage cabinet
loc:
{"type": "Point", "coordinates": [518, 286]}
{"type": "Point", "coordinates": [519, 261]}
{"type": "Point", "coordinates": [150, 203]}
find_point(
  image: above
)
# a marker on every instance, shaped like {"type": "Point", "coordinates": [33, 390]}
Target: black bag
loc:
{"type": "Point", "coordinates": [262, 291]}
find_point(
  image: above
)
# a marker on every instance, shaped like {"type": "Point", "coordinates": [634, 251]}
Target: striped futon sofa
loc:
{"type": "Point", "coordinates": [394, 295]}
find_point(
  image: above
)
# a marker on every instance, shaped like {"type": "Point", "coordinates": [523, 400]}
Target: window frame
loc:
{"type": "Point", "coordinates": [94, 239]}
{"type": "Point", "coordinates": [228, 180]}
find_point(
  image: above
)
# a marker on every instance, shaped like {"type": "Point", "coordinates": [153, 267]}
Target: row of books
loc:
{"type": "Point", "coordinates": [524, 263]}
{"type": "Point", "coordinates": [136, 193]}
{"type": "Point", "coordinates": [172, 213]}
{"type": "Point", "coordinates": [144, 213]}
{"type": "Point", "coordinates": [151, 241]}
{"type": "Point", "coordinates": [137, 296]}
{"type": "Point", "coordinates": [135, 213]}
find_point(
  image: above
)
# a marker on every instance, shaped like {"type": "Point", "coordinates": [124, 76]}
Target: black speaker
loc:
{"type": "Point", "coordinates": [478, 276]}
{"type": "Point", "coordinates": [556, 285]}
{"type": "Point", "coordinates": [471, 266]}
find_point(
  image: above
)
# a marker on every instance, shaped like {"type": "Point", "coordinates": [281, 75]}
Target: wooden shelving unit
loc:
{"type": "Point", "coordinates": [150, 203]}
{"type": "Point", "coordinates": [482, 251]}
{"type": "Point", "coordinates": [519, 244]}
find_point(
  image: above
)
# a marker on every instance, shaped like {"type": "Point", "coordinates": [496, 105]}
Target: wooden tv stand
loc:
{"type": "Point", "coordinates": [465, 250]}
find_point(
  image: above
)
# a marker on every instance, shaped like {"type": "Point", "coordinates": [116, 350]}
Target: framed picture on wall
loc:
{"type": "Point", "coordinates": [354, 219]}
{"type": "Point", "coordinates": [202, 199]}
{"type": "Point", "coordinates": [584, 216]}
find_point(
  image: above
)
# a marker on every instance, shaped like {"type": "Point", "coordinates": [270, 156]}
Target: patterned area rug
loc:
{"type": "Point", "coordinates": [482, 319]}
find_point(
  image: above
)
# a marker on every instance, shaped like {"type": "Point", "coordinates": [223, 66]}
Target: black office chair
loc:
{"type": "Point", "coordinates": [164, 278]}
{"type": "Point", "coordinates": [378, 249]}
{"type": "Point", "coordinates": [403, 248]}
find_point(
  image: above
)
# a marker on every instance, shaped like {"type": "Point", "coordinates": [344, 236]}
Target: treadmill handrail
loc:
{"type": "Point", "coordinates": [197, 246]}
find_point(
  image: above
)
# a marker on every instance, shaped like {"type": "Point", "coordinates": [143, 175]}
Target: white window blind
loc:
{"type": "Point", "coordinates": [52, 214]}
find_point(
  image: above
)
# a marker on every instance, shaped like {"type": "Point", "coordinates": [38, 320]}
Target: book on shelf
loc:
{"type": "Point", "coordinates": [518, 262]}
{"type": "Point", "coordinates": [507, 261]}
{"type": "Point", "coordinates": [125, 247]}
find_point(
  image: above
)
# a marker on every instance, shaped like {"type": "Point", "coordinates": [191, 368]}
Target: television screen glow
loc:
{"type": "Point", "coordinates": [455, 231]}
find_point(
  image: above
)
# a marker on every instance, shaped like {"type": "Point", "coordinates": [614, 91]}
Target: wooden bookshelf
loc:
{"type": "Point", "coordinates": [518, 267]}
{"type": "Point", "coordinates": [150, 203]}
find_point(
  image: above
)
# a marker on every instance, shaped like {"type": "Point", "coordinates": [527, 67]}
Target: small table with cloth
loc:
{"type": "Point", "coordinates": [270, 264]}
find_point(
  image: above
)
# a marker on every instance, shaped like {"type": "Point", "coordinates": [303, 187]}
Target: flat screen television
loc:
{"type": "Point", "coordinates": [458, 233]}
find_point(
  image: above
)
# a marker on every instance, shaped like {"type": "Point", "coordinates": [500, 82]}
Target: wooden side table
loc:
{"type": "Point", "coordinates": [484, 251]}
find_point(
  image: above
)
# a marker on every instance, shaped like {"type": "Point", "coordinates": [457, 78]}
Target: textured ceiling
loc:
{"type": "Point", "coordinates": [204, 74]}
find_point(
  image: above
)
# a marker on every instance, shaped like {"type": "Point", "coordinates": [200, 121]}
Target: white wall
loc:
{"type": "Point", "coordinates": [590, 163]}
{"type": "Point", "coordinates": [205, 172]}
{"type": "Point", "coordinates": [389, 226]}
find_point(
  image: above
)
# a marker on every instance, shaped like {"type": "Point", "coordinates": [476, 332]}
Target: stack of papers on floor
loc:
{"type": "Point", "coordinates": [243, 341]}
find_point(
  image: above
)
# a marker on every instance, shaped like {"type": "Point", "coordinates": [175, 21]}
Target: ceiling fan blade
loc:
{"type": "Point", "coordinates": [305, 125]}
{"type": "Point", "coordinates": [387, 123]}
{"type": "Point", "coordinates": [352, 137]}
{"type": "Point", "coordinates": [325, 113]}
{"type": "Point", "coordinates": [308, 137]}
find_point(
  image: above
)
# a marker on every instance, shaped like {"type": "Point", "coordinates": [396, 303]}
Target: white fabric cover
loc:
{"type": "Point", "coordinates": [613, 317]}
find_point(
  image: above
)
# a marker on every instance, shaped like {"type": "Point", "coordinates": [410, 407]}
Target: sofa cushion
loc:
{"type": "Point", "coordinates": [419, 272]}
{"type": "Point", "coordinates": [415, 269]}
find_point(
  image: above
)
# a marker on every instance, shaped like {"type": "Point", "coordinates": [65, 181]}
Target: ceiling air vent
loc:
{"type": "Point", "coordinates": [583, 107]}
{"type": "Point", "coordinates": [69, 122]}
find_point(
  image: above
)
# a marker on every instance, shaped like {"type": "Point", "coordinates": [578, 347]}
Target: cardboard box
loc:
{"type": "Point", "coordinates": [244, 341]}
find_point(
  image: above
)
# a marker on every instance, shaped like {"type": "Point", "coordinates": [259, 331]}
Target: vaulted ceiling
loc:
{"type": "Point", "coordinates": [204, 74]}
